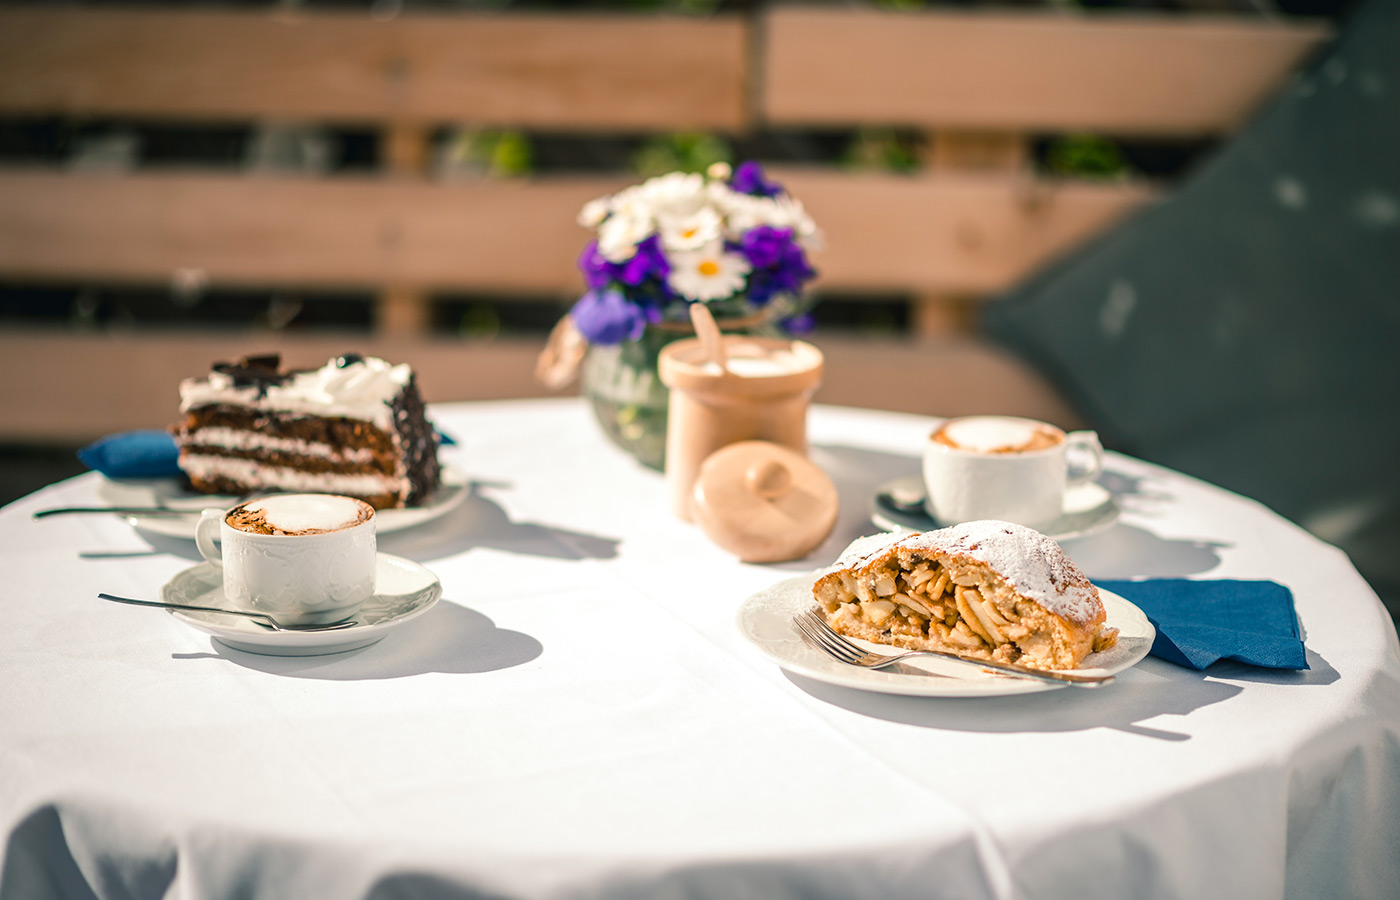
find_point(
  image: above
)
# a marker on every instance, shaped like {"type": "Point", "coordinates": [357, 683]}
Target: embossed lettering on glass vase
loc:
{"type": "Point", "coordinates": [300, 558]}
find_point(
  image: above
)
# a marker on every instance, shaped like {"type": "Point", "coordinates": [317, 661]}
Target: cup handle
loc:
{"type": "Point", "coordinates": [204, 531]}
{"type": "Point", "coordinates": [1084, 445]}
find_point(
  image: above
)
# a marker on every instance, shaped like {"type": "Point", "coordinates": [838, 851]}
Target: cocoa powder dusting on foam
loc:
{"type": "Point", "coordinates": [251, 521]}
{"type": "Point", "coordinates": [254, 521]}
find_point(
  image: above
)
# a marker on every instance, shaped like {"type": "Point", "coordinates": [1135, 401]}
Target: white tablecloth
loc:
{"type": "Point", "coordinates": [580, 717]}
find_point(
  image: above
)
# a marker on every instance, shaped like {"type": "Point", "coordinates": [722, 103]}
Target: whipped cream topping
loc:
{"type": "Point", "coordinates": [358, 389]}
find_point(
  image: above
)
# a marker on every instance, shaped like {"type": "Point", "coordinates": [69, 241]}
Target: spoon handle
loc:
{"type": "Point", "coordinates": [161, 604]}
{"type": "Point", "coordinates": [118, 510]}
{"type": "Point", "coordinates": [262, 619]}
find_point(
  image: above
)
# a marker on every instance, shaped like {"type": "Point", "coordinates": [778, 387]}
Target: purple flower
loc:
{"type": "Point", "coordinates": [764, 246]}
{"type": "Point", "coordinates": [647, 262]}
{"type": "Point", "coordinates": [779, 265]}
{"type": "Point", "coordinates": [607, 317]}
{"type": "Point", "coordinates": [749, 179]}
{"type": "Point", "coordinates": [597, 271]}
{"type": "Point", "coordinates": [800, 324]}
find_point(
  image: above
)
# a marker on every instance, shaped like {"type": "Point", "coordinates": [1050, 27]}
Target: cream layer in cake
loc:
{"type": "Point", "coordinates": [355, 426]}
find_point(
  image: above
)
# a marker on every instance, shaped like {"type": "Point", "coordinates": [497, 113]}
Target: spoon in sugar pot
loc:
{"type": "Point", "coordinates": [708, 333]}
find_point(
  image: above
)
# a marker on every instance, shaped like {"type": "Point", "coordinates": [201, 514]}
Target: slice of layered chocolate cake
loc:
{"type": "Point", "coordinates": [355, 426]}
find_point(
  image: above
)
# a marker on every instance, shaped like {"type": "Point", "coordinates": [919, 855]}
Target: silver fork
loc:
{"type": "Point", "coordinates": [258, 618]}
{"type": "Point", "coordinates": [821, 635]}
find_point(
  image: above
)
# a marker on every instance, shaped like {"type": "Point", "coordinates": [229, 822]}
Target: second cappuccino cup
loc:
{"type": "Point", "coordinates": [303, 559]}
{"type": "Point", "coordinates": [1007, 468]}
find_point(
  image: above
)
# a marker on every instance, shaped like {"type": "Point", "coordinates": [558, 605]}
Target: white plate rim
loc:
{"type": "Point", "coordinates": [397, 573]}
{"type": "Point", "coordinates": [765, 619]}
{"type": "Point", "coordinates": [895, 520]}
{"type": "Point", "coordinates": [452, 493]}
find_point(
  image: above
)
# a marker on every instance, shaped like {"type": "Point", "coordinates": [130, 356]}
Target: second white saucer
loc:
{"type": "Point", "coordinates": [404, 590]}
{"type": "Point", "coordinates": [898, 506]}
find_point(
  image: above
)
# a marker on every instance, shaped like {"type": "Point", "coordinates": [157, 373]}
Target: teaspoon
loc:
{"type": "Point", "coordinates": [262, 619]}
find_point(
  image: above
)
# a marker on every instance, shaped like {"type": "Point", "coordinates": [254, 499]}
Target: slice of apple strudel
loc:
{"type": "Point", "coordinates": [983, 590]}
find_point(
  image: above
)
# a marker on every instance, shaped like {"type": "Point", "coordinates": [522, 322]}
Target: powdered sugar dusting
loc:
{"type": "Point", "coordinates": [1024, 557]}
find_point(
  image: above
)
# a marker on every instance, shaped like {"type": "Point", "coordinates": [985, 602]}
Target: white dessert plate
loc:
{"type": "Point", "coordinates": [766, 619]}
{"type": "Point", "coordinates": [404, 590]}
{"type": "Point", "coordinates": [1089, 508]}
{"type": "Point", "coordinates": [169, 492]}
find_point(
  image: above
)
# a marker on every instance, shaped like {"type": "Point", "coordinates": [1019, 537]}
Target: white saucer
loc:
{"type": "Point", "coordinates": [404, 590]}
{"type": "Point", "coordinates": [766, 619]}
{"type": "Point", "coordinates": [169, 492]}
{"type": "Point", "coordinates": [898, 506]}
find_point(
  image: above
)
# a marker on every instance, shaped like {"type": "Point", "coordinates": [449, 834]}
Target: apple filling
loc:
{"type": "Point", "coordinates": [963, 607]}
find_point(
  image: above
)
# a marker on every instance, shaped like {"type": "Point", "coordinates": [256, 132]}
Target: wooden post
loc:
{"type": "Point", "coordinates": [934, 315]}
{"type": "Point", "coordinates": [401, 310]}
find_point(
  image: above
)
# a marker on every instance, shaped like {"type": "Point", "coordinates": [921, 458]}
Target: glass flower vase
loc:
{"type": "Point", "coordinates": [623, 386]}
{"type": "Point", "coordinates": [627, 396]}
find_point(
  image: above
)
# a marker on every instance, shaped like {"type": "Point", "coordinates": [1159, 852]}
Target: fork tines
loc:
{"type": "Point", "coordinates": [821, 634]}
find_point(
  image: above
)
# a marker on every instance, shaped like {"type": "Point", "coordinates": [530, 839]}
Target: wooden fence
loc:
{"type": "Point", "coordinates": [973, 220]}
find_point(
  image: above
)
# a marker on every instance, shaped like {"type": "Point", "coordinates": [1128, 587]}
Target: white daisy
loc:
{"type": "Point", "coordinates": [746, 213]}
{"type": "Point", "coordinates": [719, 171]}
{"type": "Point", "coordinates": [789, 213]}
{"type": "Point", "coordinates": [708, 273]}
{"type": "Point", "coordinates": [594, 212]}
{"type": "Point", "coordinates": [690, 232]}
{"type": "Point", "coordinates": [676, 195]}
{"type": "Point", "coordinates": [621, 232]}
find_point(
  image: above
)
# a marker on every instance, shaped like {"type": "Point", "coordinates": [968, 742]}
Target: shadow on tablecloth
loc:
{"type": "Point", "coordinates": [449, 638]}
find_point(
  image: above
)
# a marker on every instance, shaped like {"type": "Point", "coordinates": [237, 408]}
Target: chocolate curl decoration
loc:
{"type": "Point", "coordinates": [254, 371]}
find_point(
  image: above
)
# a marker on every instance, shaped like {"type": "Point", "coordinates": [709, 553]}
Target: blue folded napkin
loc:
{"type": "Point", "coordinates": [133, 454]}
{"type": "Point", "coordinates": [1199, 622]}
{"type": "Point", "coordinates": [145, 454]}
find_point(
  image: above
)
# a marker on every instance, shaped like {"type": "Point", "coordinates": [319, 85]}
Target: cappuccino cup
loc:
{"type": "Point", "coordinates": [1007, 468]}
{"type": "Point", "coordinates": [303, 559]}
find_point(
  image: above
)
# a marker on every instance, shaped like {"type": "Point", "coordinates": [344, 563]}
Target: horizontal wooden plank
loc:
{"type": "Point", "coordinates": [949, 232]}
{"type": "Point", "coordinates": [955, 233]}
{"type": "Point", "coordinates": [261, 231]}
{"type": "Point", "coordinates": [553, 72]}
{"type": "Point", "coordinates": [1119, 74]}
{"type": "Point", "coordinates": [80, 386]}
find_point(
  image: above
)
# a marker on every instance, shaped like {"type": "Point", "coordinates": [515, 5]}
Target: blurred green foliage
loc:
{"type": "Point", "coordinates": [882, 150]}
{"type": "Point", "coordinates": [479, 320]}
{"type": "Point", "coordinates": [501, 154]}
{"type": "Point", "coordinates": [681, 152]}
{"type": "Point", "coordinates": [1085, 156]}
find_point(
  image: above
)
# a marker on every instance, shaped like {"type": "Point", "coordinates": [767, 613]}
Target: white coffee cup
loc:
{"type": "Point", "coordinates": [1007, 468]}
{"type": "Point", "coordinates": [301, 558]}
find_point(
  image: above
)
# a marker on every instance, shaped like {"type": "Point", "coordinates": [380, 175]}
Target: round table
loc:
{"type": "Point", "coordinates": [579, 716]}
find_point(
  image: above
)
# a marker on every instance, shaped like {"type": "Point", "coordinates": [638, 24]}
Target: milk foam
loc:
{"type": "Point", "coordinates": [985, 435]}
{"type": "Point", "coordinates": [308, 513]}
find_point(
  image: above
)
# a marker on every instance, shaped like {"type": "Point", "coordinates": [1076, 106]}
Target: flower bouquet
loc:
{"type": "Point", "coordinates": [732, 240]}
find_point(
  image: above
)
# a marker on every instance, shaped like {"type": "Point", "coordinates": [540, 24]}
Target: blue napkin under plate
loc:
{"type": "Point", "coordinates": [133, 454]}
{"type": "Point", "coordinates": [1199, 622]}
{"type": "Point", "coordinates": [145, 454]}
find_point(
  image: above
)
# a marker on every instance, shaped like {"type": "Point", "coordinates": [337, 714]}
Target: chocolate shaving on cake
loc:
{"type": "Point", "coordinates": [258, 372]}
